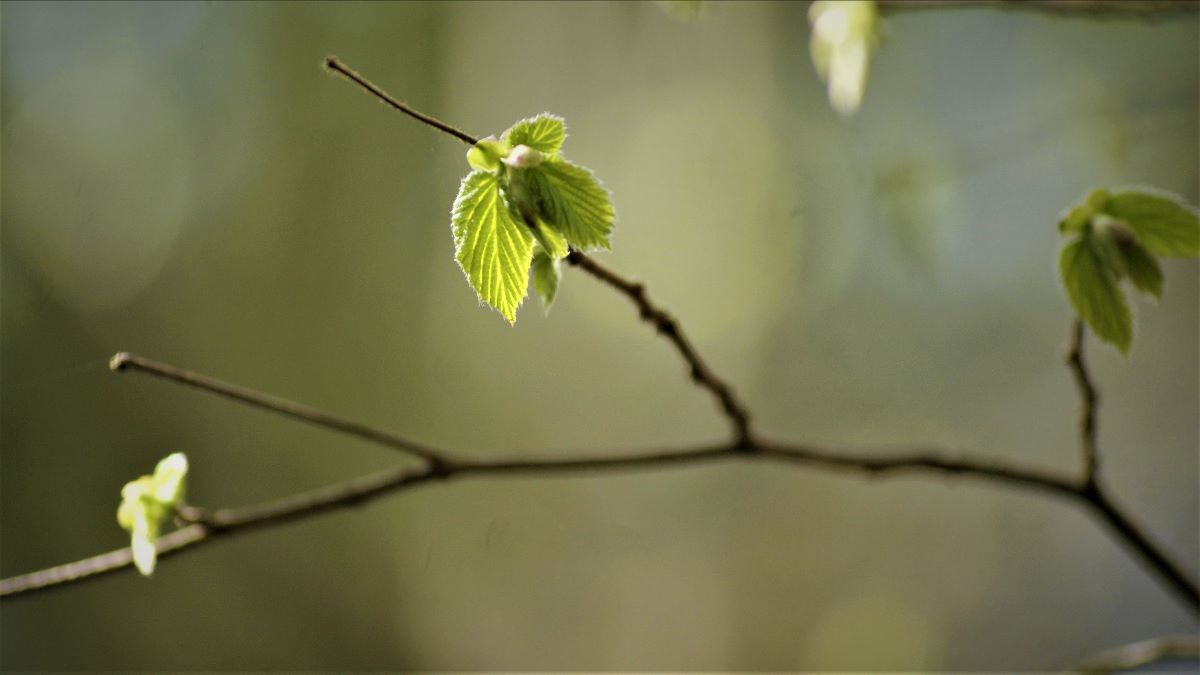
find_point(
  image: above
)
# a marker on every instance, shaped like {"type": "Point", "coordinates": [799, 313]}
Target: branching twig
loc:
{"type": "Point", "coordinates": [701, 374]}
{"type": "Point", "coordinates": [207, 526]}
{"type": "Point", "coordinates": [440, 465]}
{"type": "Point", "coordinates": [1088, 399]}
{"type": "Point", "coordinates": [1093, 494]}
{"type": "Point", "coordinates": [126, 361]}
{"type": "Point", "coordinates": [216, 524]}
{"type": "Point", "coordinates": [669, 328]}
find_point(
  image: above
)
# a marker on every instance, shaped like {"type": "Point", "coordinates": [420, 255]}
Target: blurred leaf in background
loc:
{"type": "Point", "coordinates": [844, 35]}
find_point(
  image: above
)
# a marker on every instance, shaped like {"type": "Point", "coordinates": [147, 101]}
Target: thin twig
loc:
{"type": "Point", "coordinates": [1089, 400]}
{"type": "Point", "coordinates": [1082, 9]}
{"type": "Point", "coordinates": [1089, 489]}
{"type": "Point", "coordinates": [125, 361]}
{"type": "Point", "coordinates": [208, 525]}
{"type": "Point", "coordinates": [213, 525]}
{"type": "Point", "coordinates": [1138, 540]}
{"type": "Point", "coordinates": [669, 328]}
{"type": "Point", "coordinates": [332, 63]}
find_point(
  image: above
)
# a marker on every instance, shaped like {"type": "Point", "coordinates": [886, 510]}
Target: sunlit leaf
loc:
{"type": "Point", "coordinates": [522, 192]}
{"type": "Point", "coordinates": [169, 479]}
{"type": "Point", "coordinates": [544, 133]}
{"type": "Point", "coordinates": [143, 535]}
{"type": "Point", "coordinates": [492, 248]}
{"type": "Point", "coordinates": [570, 198]}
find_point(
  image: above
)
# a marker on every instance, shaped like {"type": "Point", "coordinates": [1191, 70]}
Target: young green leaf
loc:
{"type": "Point", "coordinates": [546, 273]}
{"type": "Point", "coordinates": [524, 190]}
{"type": "Point", "coordinates": [149, 501]}
{"type": "Point", "coordinates": [1143, 270]}
{"type": "Point", "coordinates": [570, 198]}
{"type": "Point", "coordinates": [140, 514]}
{"type": "Point", "coordinates": [491, 246]}
{"type": "Point", "coordinates": [551, 240]}
{"type": "Point", "coordinates": [1164, 223]}
{"type": "Point", "coordinates": [1093, 291]}
{"type": "Point", "coordinates": [544, 133]}
{"type": "Point", "coordinates": [520, 192]}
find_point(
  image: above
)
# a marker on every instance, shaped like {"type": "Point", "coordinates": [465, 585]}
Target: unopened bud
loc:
{"type": "Point", "coordinates": [522, 157]}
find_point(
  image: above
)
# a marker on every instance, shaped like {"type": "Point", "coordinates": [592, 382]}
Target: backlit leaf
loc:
{"type": "Point", "coordinates": [570, 198]}
{"type": "Point", "coordinates": [544, 133]}
{"type": "Point", "coordinates": [492, 248]}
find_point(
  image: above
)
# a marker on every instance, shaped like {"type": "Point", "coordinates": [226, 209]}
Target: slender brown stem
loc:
{"type": "Point", "coordinates": [209, 526]}
{"type": "Point", "coordinates": [125, 361]}
{"type": "Point", "coordinates": [1090, 491]}
{"type": "Point", "coordinates": [1089, 401]}
{"type": "Point", "coordinates": [1083, 9]}
{"type": "Point", "coordinates": [332, 63]}
{"type": "Point", "coordinates": [1138, 541]}
{"type": "Point", "coordinates": [668, 327]}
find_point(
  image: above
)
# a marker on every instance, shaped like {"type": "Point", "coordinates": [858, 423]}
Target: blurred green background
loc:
{"type": "Point", "coordinates": [184, 181]}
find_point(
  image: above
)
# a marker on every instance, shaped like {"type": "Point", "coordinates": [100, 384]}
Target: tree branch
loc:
{"type": "Point", "coordinates": [123, 361]}
{"type": "Point", "coordinates": [1083, 9]}
{"type": "Point", "coordinates": [1136, 539]}
{"type": "Point", "coordinates": [1089, 400]}
{"type": "Point", "coordinates": [669, 328]}
{"type": "Point", "coordinates": [202, 526]}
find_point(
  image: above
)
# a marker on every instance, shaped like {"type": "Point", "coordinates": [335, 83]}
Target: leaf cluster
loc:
{"type": "Point", "coordinates": [1120, 235]}
{"type": "Point", "coordinates": [523, 207]}
{"type": "Point", "coordinates": [146, 503]}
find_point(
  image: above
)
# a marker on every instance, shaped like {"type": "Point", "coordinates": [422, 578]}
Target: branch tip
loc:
{"type": "Point", "coordinates": [119, 360]}
{"type": "Point", "coordinates": [332, 63]}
